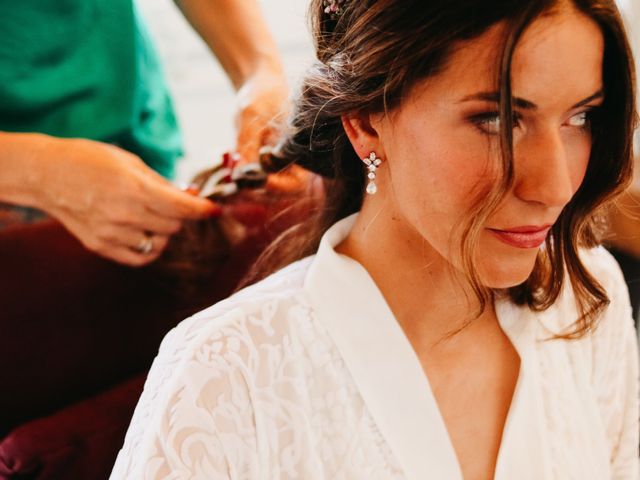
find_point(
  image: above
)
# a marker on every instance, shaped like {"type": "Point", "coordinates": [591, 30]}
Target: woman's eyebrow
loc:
{"type": "Point", "coordinates": [596, 96]}
{"type": "Point", "coordinates": [526, 104]}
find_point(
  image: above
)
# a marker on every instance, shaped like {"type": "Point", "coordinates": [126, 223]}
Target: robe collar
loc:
{"type": "Point", "coordinates": [390, 378]}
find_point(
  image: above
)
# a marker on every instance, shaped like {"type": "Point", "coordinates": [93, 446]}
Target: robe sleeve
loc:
{"type": "Point", "coordinates": [195, 417]}
{"type": "Point", "coordinates": [615, 372]}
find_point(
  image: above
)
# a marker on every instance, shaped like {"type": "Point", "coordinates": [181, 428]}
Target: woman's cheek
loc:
{"type": "Point", "coordinates": [578, 152]}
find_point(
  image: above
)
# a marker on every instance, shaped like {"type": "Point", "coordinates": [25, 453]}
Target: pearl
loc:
{"type": "Point", "coordinates": [371, 188]}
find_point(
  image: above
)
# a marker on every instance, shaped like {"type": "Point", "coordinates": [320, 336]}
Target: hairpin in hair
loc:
{"type": "Point", "coordinates": [333, 8]}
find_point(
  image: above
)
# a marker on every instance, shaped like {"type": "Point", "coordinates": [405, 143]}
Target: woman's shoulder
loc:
{"type": "Point", "coordinates": [610, 342]}
{"type": "Point", "coordinates": [234, 326]}
{"type": "Point", "coordinates": [614, 328]}
{"type": "Point", "coordinates": [594, 374]}
{"type": "Point", "coordinates": [208, 365]}
{"type": "Point", "coordinates": [616, 319]}
{"type": "Point", "coordinates": [244, 336]}
{"type": "Point", "coordinates": [604, 269]}
{"type": "Point", "coordinates": [263, 303]}
{"type": "Point", "coordinates": [610, 335]}
{"type": "Point", "coordinates": [611, 353]}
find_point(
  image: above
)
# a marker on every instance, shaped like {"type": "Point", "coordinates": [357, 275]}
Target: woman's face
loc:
{"type": "Point", "coordinates": [441, 146]}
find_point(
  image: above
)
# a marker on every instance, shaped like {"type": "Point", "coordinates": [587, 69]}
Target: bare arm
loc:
{"type": "Point", "coordinates": [19, 177]}
{"type": "Point", "coordinates": [107, 197]}
{"type": "Point", "coordinates": [237, 34]}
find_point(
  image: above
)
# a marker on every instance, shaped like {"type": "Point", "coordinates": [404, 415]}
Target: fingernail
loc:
{"type": "Point", "coordinates": [226, 159]}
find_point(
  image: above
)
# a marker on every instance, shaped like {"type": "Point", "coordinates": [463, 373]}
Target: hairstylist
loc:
{"type": "Point", "coordinates": [88, 132]}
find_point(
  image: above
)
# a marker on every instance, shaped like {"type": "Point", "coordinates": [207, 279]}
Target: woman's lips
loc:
{"type": "Point", "coordinates": [522, 237]}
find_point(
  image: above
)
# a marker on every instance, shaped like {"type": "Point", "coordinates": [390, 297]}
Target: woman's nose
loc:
{"type": "Point", "coordinates": [544, 171]}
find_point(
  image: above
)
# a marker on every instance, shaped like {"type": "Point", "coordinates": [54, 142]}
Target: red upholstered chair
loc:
{"type": "Point", "coordinates": [77, 334]}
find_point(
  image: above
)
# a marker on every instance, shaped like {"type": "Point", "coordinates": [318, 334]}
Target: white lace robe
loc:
{"type": "Point", "coordinates": [307, 375]}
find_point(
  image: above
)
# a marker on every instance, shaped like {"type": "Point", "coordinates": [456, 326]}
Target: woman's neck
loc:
{"type": "Point", "coordinates": [420, 287]}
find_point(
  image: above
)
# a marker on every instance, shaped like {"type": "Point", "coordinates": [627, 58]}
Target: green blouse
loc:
{"type": "Point", "coordinates": [86, 68]}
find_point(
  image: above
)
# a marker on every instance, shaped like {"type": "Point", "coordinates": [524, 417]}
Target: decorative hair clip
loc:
{"type": "Point", "coordinates": [333, 8]}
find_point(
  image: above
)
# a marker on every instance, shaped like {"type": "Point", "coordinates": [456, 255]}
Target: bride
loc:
{"type": "Point", "coordinates": [457, 319]}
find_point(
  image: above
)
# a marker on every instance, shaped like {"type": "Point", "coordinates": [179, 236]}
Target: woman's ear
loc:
{"type": "Point", "coordinates": [363, 131]}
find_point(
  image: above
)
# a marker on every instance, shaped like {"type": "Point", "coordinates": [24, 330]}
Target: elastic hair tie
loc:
{"type": "Point", "coordinates": [333, 8]}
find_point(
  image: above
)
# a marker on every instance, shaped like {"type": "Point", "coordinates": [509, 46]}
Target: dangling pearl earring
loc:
{"type": "Point", "coordinates": [372, 163]}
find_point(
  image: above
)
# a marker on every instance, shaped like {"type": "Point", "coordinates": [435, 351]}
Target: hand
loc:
{"type": "Point", "coordinates": [293, 179]}
{"type": "Point", "coordinates": [262, 106]}
{"type": "Point", "coordinates": [111, 201]}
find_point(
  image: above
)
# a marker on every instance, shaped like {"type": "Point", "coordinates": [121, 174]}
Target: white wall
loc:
{"type": "Point", "coordinates": [631, 11]}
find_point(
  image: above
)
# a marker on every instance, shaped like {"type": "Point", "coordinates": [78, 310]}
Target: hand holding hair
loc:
{"type": "Point", "coordinates": [105, 196]}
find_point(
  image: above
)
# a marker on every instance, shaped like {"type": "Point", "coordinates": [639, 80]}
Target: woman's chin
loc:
{"type": "Point", "coordinates": [508, 273]}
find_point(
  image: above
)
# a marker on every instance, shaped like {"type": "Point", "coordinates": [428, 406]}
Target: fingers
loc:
{"type": "Point", "coordinates": [253, 134]}
{"type": "Point", "coordinates": [113, 198]}
{"type": "Point", "coordinates": [257, 125]}
{"type": "Point", "coordinates": [262, 105]}
{"type": "Point", "coordinates": [121, 244]}
{"type": "Point", "coordinates": [137, 240]}
{"type": "Point", "coordinates": [131, 246]}
{"type": "Point", "coordinates": [293, 179]}
{"type": "Point", "coordinates": [151, 221]}
{"type": "Point", "coordinates": [126, 256]}
{"type": "Point", "coordinates": [248, 146]}
{"type": "Point", "coordinates": [172, 203]}
{"type": "Point", "coordinates": [134, 215]}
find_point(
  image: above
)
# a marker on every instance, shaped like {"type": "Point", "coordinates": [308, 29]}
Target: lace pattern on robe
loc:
{"type": "Point", "coordinates": [257, 392]}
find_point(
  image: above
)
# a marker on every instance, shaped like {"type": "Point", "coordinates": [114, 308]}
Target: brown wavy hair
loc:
{"type": "Point", "coordinates": [373, 53]}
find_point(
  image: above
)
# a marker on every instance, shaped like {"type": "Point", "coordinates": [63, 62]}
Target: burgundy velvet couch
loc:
{"type": "Point", "coordinates": [78, 333]}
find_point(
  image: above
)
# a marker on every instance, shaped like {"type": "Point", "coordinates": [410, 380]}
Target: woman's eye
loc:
{"type": "Point", "coordinates": [580, 120]}
{"type": "Point", "coordinates": [489, 122]}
